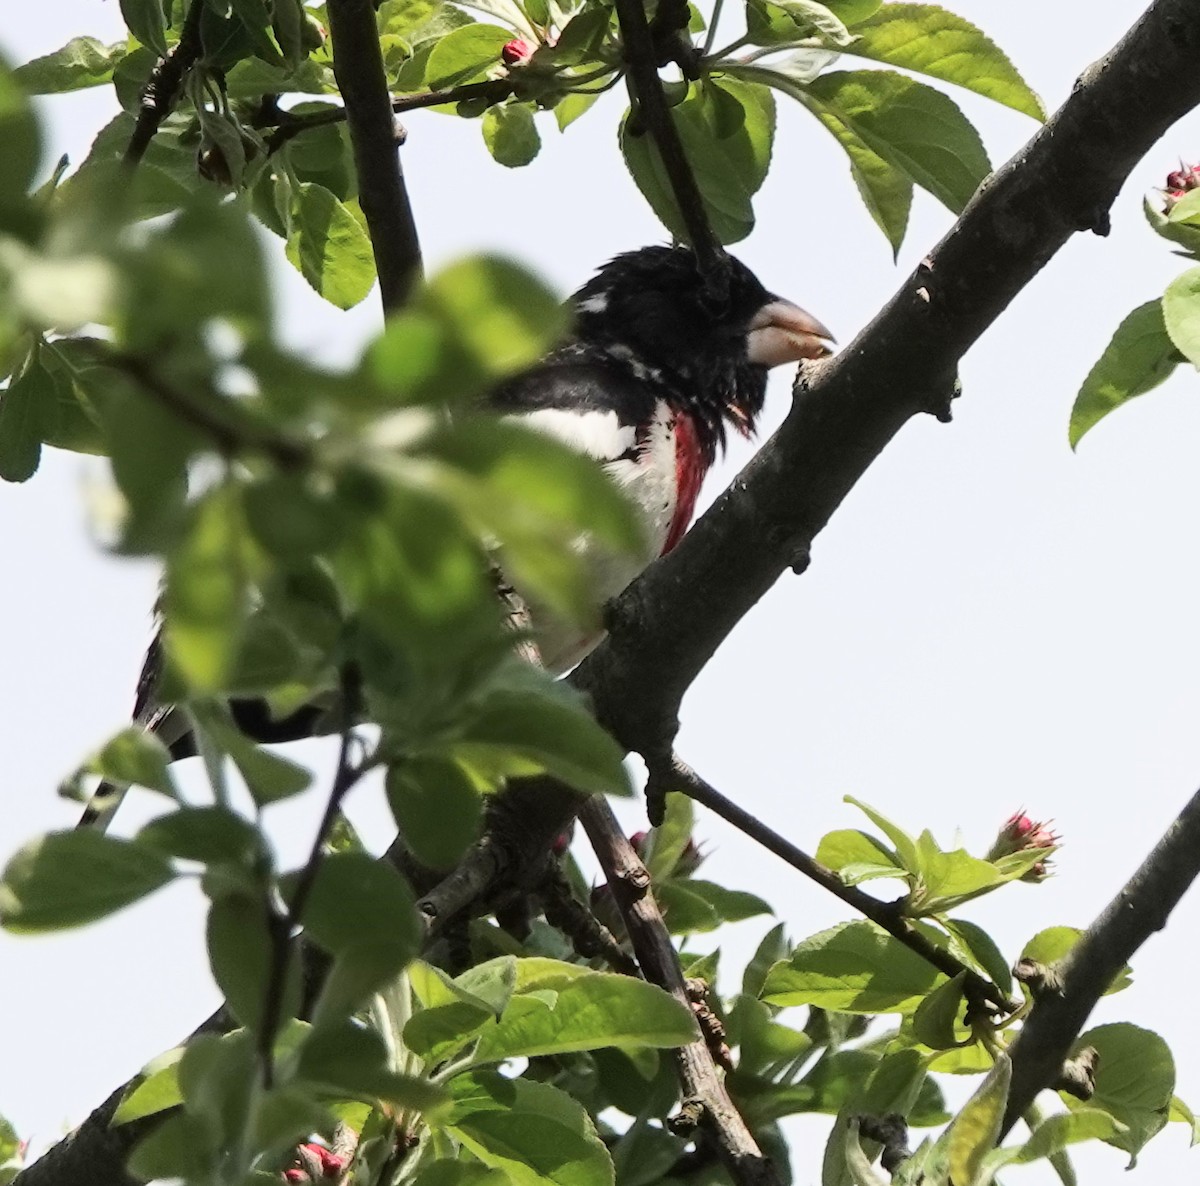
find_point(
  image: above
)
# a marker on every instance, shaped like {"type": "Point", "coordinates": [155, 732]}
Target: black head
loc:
{"type": "Point", "coordinates": [709, 353]}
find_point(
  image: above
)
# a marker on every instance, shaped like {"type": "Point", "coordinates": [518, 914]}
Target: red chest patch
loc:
{"type": "Point", "coordinates": [690, 468]}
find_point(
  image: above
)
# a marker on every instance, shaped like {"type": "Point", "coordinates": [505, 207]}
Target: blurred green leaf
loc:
{"type": "Point", "coordinates": [935, 1020]}
{"type": "Point", "coordinates": [856, 968]}
{"type": "Point", "coordinates": [329, 246]}
{"type": "Point", "coordinates": [696, 906]}
{"type": "Point", "coordinates": [974, 1131]}
{"type": "Point", "coordinates": [144, 19]}
{"type": "Point", "coordinates": [207, 589]}
{"type": "Point", "coordinates": [510, 134]}
{"type": "Point", "coordinates": [359, 900]}
{"type": "Point", "coordinates": [1178, 223]}
{"type": "Point", "coordinates": [240, 951]}
{"type": "Point", "coordinates": [19, 135]}
{"type": "Point", "coordinates": [857, 857]}
{"type": "Point", "coordinates": [156, 1089]}
{"type": "Point", "coordinates": [349, 1058]}
{"type": "Point", "coordinates": [20, 428]}
{"type": "Point", "coordinates": [522, 730]}
{"type": "Point", "coordinates": [912, 127]}
{"type": "Point", "coordinates": [983, 950]}
{"type": "Point", "coordinates": [207, 834]}
{"type": "Point", "coordinates": [1057, 1132]}
{"type": "Point", "coordinates": [930, 40]}
{"type": "Point", "coordinates": [182, 1146]}
{"type": "Point", "coordinates": [82, 62]}
{"type": "Point", "coordinates": [1140, 356]}
{"type": "Point", "coordinates": [66, 879]}
{"type": "Point", "coordinates": [772, 21]}
{"type": "Point", "coordinates": [437, 807]}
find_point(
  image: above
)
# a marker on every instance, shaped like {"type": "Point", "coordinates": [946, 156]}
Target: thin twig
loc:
{"type": "Point", "coordinates": [703, 1093]}
{"type": "Point", "coordinates": [284, 926]}
{"type": "Point", "coordinates": [362, 80]}
{"type": "Point", "coordinates": [587, 934]}
{"type": "Point", "coordinates": [1141, 907]}
{"type": "Point", "coordinates": [983, 993]}
{"type": "Point", "coordinates": [162, 87]}
{"type": "Point", "coordinates": [232, 429]}
{"type": "Point", "coordinates": [646, 87]}
{"type": "Point", "coordinates": [287, 125]}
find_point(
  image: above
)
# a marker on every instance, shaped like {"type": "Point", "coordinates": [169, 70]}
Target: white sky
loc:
{"type": "Point", "coordinates": [990, 622]}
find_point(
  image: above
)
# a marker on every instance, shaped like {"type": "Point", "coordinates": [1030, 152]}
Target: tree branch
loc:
{"type": "Point", "coordinates": [287, 125]}
{"type": "Point", "coordinates": [646, 87]}
{"type": "Point", "coordinates": [358, 68]}
{"type": "Point", "coordinates": [1141, 908]}
{"type": "Point", "coordinates": [704, 1098]}
{"type": "Point", "coordinates": [162, 87]}
{"type": "Point", "coordinates": [983, 994]}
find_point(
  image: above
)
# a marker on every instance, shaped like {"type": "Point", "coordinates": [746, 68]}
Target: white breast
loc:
{"type": "Point", "coordinates": [645, 471]}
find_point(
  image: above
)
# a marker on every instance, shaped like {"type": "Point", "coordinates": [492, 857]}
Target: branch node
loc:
{"type": "Point", "coordinates": [685, 1122]}
{"type": "Point", "coordinates": [710, 1024]}
{"type": "Point", "coordinates": [1078, 1075]}
{"type": "Point", "coordinates": [1042, 980]}
{"type": "Point", "coordinates": [891, 1131]}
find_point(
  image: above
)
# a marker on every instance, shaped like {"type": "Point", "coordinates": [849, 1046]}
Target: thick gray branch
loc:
{"type": "Point", "coordinates": [1141, 908]}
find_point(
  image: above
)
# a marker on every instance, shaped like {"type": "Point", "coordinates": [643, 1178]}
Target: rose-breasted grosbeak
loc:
{"type": "Point", "coordinates": [655, 368]}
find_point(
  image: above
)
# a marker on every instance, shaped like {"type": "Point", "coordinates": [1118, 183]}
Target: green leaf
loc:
{"type": "Point", "coordinates": [772, 21]}
{"type": "Point", "coordinates": [1056, 1132]}
{"type": "Point", "coordinates": [358, 900]}
{"type": "Point", "coordinates": [1181, 314]}
{"type": "Point", "coordinates": [268, 777]}
{"type": "Point", "coordinates": [216, 1078]}
{"type": "Point", "coordinates": [349, 1058]}
{"type": "Point", "coordinates": [240, 945]}
{"type": "Point", "coordinates": [521, 730]}
{"type": "Point", "coordinates": [935, 1021]}
{"type": "Point", "coordinates": [1178, 223]}
{"type": "Point", "coordinates": [19, 137]}
{"type": "Point", "coordinates": [465, 55]}
{"type": "Point", "coordinates": [929, 40]}
{"type": "Point", "coordinates": [587, 1012]}
{"type": "Point", "coordinates": [182, 1146]}
{"type": "Point", "coordinates": [66, 879]}
{"type": "Point", "coordinates": [536, 1134]}
{"type": "Point", "coordinates": [207, 834]}
{"type": "Point", "coordinates": [665, 845]}
{"type": "Point", "coordinates": [1051, 945]}
{"type": "Point", "coordinates": [156, 1090]}
{"type": "Point", "coordinates": [974, 1131]}
{"type": "Point", "coordinates": [694, 905]}
{"type": "Point", "coordinates": [329, 246]}
{"type": "Point", "coordinates": [855, 968]}
{"type": "Point", "coordinates": [727, 128]}
{"type": "Point", "coordinates": [144, 19]}
{"type": "Point", "coordinates": [1135, 1082]}
{"type": "Point", "coordinates": [983, 950]}
{"type": "Point", "coordinates": [207, 590]}
{"type": "Point", "coordinates": [136, 758]}
{"type": "Point", "coordinates": [904, 844]}
{"type": "Point", "coordinates": [510, 134]}
{"type": "Point", "coordinates": [437, 807]}
{"type": "Point", "coordinates": [857, 856]}
{"type": "Point", "coordinates": [911, 126]}
{"type": "Point", "coordinates": [885, 190]}
{"type": "Point", "coordinates": [772, 949]}
{"type": "Point", "coordinates": [20, 428]}
{"type": "Point", "coordinates": [82, 62]}
{"type": "Point", "coordinates": [1181, 1113]}
{"type": "Point", "coordinates": [1139, 357]}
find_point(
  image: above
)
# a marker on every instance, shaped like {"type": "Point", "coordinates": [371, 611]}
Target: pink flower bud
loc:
{"type": "Point", "coordinates": [1181, 181]}
{"type": "Point", "coordinates": [295, 1174]}
{"type": "Point", "coordinates": [1021, 833]}
{"type": "Point", "coordinates": [517, 52]}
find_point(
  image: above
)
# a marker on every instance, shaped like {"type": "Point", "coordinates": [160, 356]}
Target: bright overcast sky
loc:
{"type": "Point", "coordinates": [990, 621]}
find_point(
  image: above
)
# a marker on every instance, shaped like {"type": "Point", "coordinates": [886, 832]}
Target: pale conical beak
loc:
{"type": "Point", "coordinates": [782, 332]}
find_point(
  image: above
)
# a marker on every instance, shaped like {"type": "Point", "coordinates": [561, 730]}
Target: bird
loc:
{"type": "Point", "coordinates": [659, 364]}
